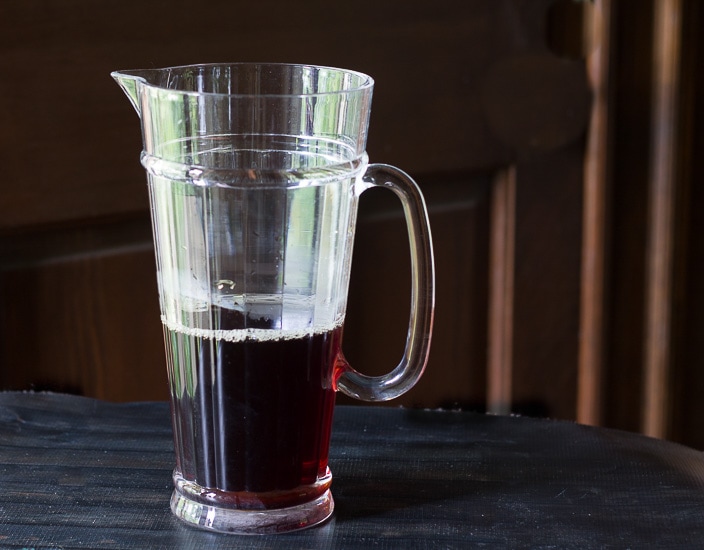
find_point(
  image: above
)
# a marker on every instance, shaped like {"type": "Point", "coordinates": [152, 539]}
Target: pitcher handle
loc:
{"type": "Point", "coordinates": [415, 356]}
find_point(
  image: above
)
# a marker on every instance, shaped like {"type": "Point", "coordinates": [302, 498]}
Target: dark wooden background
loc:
{"type": "Point", "coordinates": [478, 100]}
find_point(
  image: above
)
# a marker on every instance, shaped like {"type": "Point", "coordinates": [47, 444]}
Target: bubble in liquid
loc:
{"type": "Point", "coordinates": [225, 283]}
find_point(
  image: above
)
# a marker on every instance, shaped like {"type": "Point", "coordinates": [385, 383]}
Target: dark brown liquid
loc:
{"type": "Point", "coordinates": [256, 417]}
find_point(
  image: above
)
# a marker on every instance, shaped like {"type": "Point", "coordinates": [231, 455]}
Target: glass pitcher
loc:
{"type": "Point", "coordinates": [254, 174]}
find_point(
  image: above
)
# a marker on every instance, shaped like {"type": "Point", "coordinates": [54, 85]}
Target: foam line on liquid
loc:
{"type": "Point", "coordinates": [254, 334]}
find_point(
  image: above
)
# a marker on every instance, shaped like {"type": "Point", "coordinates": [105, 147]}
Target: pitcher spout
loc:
{"type": "Point", "coordinates": [129, 81]}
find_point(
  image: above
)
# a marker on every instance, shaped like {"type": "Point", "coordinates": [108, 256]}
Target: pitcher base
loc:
{"type": "Point", "coordinates": [252, 522]}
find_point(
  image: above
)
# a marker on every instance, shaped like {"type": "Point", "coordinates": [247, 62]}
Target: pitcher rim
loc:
{"type": "Point", "coordinates": [141, 76]}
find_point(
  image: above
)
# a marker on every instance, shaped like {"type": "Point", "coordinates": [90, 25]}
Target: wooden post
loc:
{"type": "Point", "coordinates": [595, 224]}
{"type": "Point", "coordinates": [667, 38]}
{"type": "Point", "coordinates": [501, 279]}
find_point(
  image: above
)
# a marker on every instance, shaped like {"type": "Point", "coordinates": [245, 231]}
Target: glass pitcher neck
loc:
{"type": "Point", "coordinates": [179, 106]}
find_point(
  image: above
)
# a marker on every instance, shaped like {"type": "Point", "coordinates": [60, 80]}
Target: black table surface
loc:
{"type": "Point", "coordinates": [83, 473]}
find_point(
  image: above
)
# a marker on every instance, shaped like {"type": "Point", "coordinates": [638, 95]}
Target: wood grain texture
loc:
{"type": "Point", "coordinates": [70, 132]}
{"type": "Point", "coordinates": [89, 326]}
{"type": "Point", "coordinates": [547, 280]}
{"type": "Point", "coordinates": [642, 140]}
{"type": "Point", "coordinates": [463, 89]}
{"type": "Point", "coordinates": [83, 473]}
{"type": "Point", "coordinates": [501, 291]}
{"type": "Point", "coordinates": [596, 222]}
{"type": "Point", "coordinates": [688, 417]}
{"type": "Point", "coordinates": [632, 81]}
{"type": "Point", "coordinates": [665, 182]}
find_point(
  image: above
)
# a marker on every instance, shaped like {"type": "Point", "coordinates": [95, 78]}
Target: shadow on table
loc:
{"type": "Point", "coordinates": [515, 481]}
{"type": "Point", "coordinates": [420, 471]}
